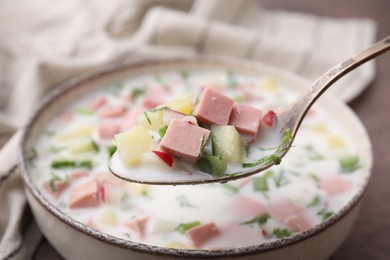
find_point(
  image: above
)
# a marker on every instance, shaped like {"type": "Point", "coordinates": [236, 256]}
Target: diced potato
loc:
{"type": "Point", "coordinates": [162, 226]}
{"type": "Point", "coordinates": [182, 105]}
{"type": "Point", "coordinates": [268, 84]}
{"type": "Point", "coordinates": [177, 245]}
{"type": "Point", "coordinates": [151, 119]}
{"type": "Point", "coordinates": [137, 189]}
{"type": "Point", "coordinates": [133, 143]}
{"type": "Point", "coordinates": [335, 141]}
{"type": "Point", "coordinates": [75, 133]}
{"type": "Point", "coordinates": [82, 145]}
{"type": "Point", "coordinates": [108, 217]}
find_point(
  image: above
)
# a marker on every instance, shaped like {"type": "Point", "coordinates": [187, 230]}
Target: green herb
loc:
{"type": "Point", "coordinates": [31, 156]}
{"type": "Point", "coordinates": [111, 150]}
{"type": "Point", "coordinates": [349, 164]}
{"type": "Point", "coordinates": [147, 117]}
{"type": "Point", "coordinates": [280, 179]}
{"type": "Point", "coordinates": [230, 187]}
{"type": "Point", "coordinates": [315, 178]}
{"type": "Point", "coordinates": [260, 184]}
{"type": "Point", "coordinates": [83, 111]}
{"type": "Point", "coordinates": [138, 92]}
{"type": "Point", "coordinates": [158, 109]}
{"type": "Point", "coordinates": [275, 157]}
{"type": "Point", "coordinates": [202, 144]}
{"type": "Point", "coordinates": [161, 82]}
{"type": "Point", "coordinates": [247, 148]}
{"type": "Point", "coordinates": [312, 153]}
{"type": "Point", "coordinates": [212, 164]}
{"type": "Point", "coordinates": [127, 235]}
{"type": "Point", "coordinates": [260, 220]}
{"type": "Point", "coordinates": [281, 233]}
{"type": "Point", "coordinates": [324, 214]}
{"type": "Point", "coordinates": [184, 76]}
{"type": "Point", "coordinates": [231, 81]}
{"type": "Point", "coordinates": [183, 227]}
{"type": "Point", "coordinates": [63, 164]}
{"type": "Point", "coordinates": [162, 130]}
{"type": "Point", "coordinates": [238, 99]}
{"type": "Point", "coordinates": [314, 202]}
{"type": "Point", "coordinates": [183, 202]}
{"type": "Point", "coordinates": [55, 149]}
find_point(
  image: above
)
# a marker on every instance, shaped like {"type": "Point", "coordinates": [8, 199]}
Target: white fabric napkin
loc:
{"type": "Point", "coordinates": [43, 43]}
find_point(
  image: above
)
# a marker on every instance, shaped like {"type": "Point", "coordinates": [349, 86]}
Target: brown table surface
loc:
{"type": "Point", "coordinates": [370, 237]}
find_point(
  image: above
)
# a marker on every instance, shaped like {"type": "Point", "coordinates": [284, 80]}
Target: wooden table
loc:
{"type": "Point", "coordinates": [370, 237]}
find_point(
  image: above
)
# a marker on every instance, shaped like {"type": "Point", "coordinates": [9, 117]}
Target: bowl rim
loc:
{"type": "Point", "coordinates": [73, 83]}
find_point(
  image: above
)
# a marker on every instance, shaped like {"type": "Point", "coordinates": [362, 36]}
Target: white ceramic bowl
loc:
{"type": "Point", "coordinates": [74, 240]}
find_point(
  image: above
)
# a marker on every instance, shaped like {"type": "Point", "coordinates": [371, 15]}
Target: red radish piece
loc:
{"type": "Point", "coordinates": [102, 192]}
{"type": "Point", "coordinates": [269, 118]}
{"type": "Point", "coordinates": [165, 157]}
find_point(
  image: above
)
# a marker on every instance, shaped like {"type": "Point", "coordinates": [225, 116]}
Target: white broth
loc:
{"type": "Point", "coordinates": [319, 175]}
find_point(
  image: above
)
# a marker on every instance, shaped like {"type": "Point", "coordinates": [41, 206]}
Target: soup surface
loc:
{"type": "Point", "coordinates": [318, 176]}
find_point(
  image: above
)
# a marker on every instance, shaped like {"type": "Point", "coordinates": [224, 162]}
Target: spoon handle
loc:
{"type": "Point", "coordinates": [292, 116]}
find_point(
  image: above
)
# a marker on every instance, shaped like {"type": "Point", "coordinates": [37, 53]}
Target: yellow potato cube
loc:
{"type": "Point", "coordinates": [75, 133]}
{"type": "Point", "coordinates": [182, 105]}
{"type": "Point", "coordinates": [133, 143]}
{"type": "Point", "coordinates": [152, 119]}
{"type": "Point", "coordinates": [268, 84]}
{"type": "Point", "coordinates": [177, 245]}
{"type": "Point", "coordinates": [108, 217]}
{"type": "Point", "coordinates": [137, 189]}
{"type": "Point", "coordinates": [335, 141]}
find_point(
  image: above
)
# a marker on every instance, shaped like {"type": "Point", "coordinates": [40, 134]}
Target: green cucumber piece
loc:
{"type": "Point", "coordinates": [227, 143]}
{"type": "Point", "coordinates": [211, 164]}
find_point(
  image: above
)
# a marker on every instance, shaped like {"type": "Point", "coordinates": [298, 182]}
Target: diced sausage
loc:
{"type": "Point", "coordinates": [246, 119]}
{"type": "Point", "coordinates": [245, 208]}
{"type": "Point", "coordinates": [108, 130]}
{"type": "Point", "coordinates": [213, 108]}
{"type": "Point", "coordinates": [333, 184]}
{"type": "Point", "coordinates": [78, 174]}
{"type": "Point", "coordinates": [111, 112]}
{"type": "Point", "coordinates": [155, 97]}
{"type": "Point", "coordinates": [55, 188]}
{"type": "Point", "coordinates": [298, 222]}
{"type": "Point", "coordinates": [138, 225]}
{"type": "Point", "coordinates": [97, 103]}
{"type": "Point", "coordinates": [130, 119]}
{"type": "Point", "coordinates": [283, 209]}
{"type": "Point", "coordinates": [183, 139]}
{"type": "Point", "coordinates": [199, 235]}
{"type": "Point", "coordinates": [85, 195]}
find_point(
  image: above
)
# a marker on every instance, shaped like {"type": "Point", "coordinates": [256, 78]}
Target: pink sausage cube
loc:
{"type": "Point", "coordinates": [56, 188]}
{"type": "Point", "coordinates": [245, 208]}
{"type": "Point", "coordinates": [110, 112]}
{"type": "Point", "coordinates": [138, 225]}
{"type": "Point", "coordinates": [130, 119]}
{"type": "Point", "coordinates": [155, 97]}
{"type": "Point", "coordinates": [298, 222]}
{"type": "Point", "coordinates": [97, 103]}
{"type": "Point", "coordinates": [85, 195]}
{"type": "Point", "coordinates": [333, 184]}
{"type": "Point", "coordinates": [284, 209]}
{"type": "Point", "coordinates": [199, 235]}
{"type": "Point", "coordinates": [213, 108]}
{"type": "Point", "coordinates": [184, 140]}
{"type": "Point", "coordinates": [108, 130]}
{"type": "Point", "coordinates": [246, 119]}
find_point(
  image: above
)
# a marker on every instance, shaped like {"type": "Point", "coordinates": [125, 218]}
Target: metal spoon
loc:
{"type": "Point", "coordinates": [289, 118]}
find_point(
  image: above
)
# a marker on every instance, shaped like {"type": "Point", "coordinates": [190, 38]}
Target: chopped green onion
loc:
{"type": "Point", "coordinates": [212, 164]}
{"type": "Point", "coordinates": [314, 202]}
{"type": "Point", "coordinates": [83, 111]}
{"type": "Point", "coordinates": [63, 164]}
{"type": "Point", "coordinates": [260, 183]}
{"type": "Point", "coordinates": [138, 92]}
{"type": "Point", "coordinates": [183, 227]}
{"type": "Point", "coordinates": [349, 164]}
{"type": "Point", "coordinates": [324, 213]}
{"type": "Point", "coordinates": [260, 220]}
{"type": "Point", "coordinates": [230, 187]}
{"type": "Point", "coordinates": [111, 150]}
{"type": "Point", "coordinates": [281, 233]}
{"type": "Point", "coordinates": [162, 130]}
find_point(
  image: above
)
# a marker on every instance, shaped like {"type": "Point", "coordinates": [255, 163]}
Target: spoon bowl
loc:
{"type": "Point", "coordinates": [289, 120]}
